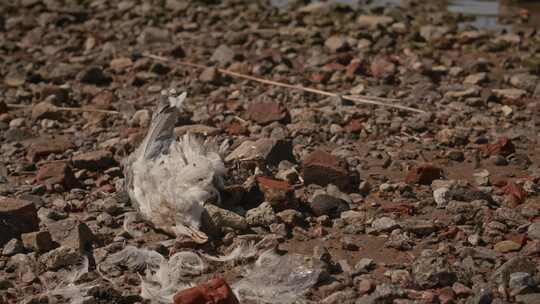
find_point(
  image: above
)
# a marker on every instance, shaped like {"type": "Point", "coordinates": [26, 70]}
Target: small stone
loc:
{"type": "Point", "coordinates": [424, 174]}
{"type": "Point", "coordinates": [13, 247]}
{"type": "Point", "coordinates": [524, 81]}
{"type": "Point", "coordinates": [506, 246]}
{"type": "Point", "coordinates": [381, 67]}
{"type": "Point", "coordinates": [276, 192]}
{"type": "Point", "coordinates": [373, 21]}
{"type": "Point", "coordinates": [348, 243]}
{"type": "Point", "coordinates": [533, 231]}
{"type": "Point", "coordinates": [515, 264]}
{"type": "Point", "coordinates": [481, 178]}
{"type": "Point", "coordinates": [94, 75]}
{"type": "Point", "coordinates": [94, 161]}
{"type": "Point", "coordinates": [441, 196]}
{"type": "Point", "coordinates": [58, 173]}
{"type": "Point", "coordinates": [324, 204]}
{"type": "Point", "coordinates": [151, 35]}
{"type": "Point", "coordinates": [510, 94]}
{"type": "Point", "coordinates": [44, 110]}
{"type": "Point", "coordinates": [263, 215]}
{"type": "Point", "coordinates": [225, 218]}
{"type": "Point", "coordinates": [42, 147]}
{"type": "Point", "coordinates": [141, 118]}
{"type": "Point", "coordinates": [456, 155]}
{"type": "Point", "coordinates": [503, 147]}
{"type": "Point", "coordinates": [364, 286]}
{"type": "Point", "coordinates": [384, 224]}
{"type": "Point", "coordinates": [17, 217]}
{"type": "Point", "coordinates": [215, 291]}
{"type": "Point", "coordinates": [475, 79]}
{"type": "Point", "coordinates": [364, 266]}
{"type": "Point", "coordinates": [432, 270]}
{"type": "Point", "coordinates": [71, 233]}
{"type": "Point", "coordinates": [272, 151]}
{"type": "Point", "coordinates": [323, 168]}
{"type": "Point", "coordinates": [515, 191]}
{"type": "Point", "coordinates": [264, 113]}
{"type": "Point", "coordinates": [39, 241]}
{"type": "Point", "coordinates": [336, 44]}
{"type": "Point", "coordinates": [121, 64]}
{"type": "Point", "coordinates": [461, 290]}
{"type": "Point", "coordinates": [223, 55]}
{"type": "Point", "coordinates": [60, 257]}
{"type": "Point", "coordinates": [210, 75]}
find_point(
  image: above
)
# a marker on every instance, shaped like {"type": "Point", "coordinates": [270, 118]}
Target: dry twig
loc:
{"type": "Point", "coordinates": [378, 101]}
{"type": "Point", "coordinates": [67, 109]}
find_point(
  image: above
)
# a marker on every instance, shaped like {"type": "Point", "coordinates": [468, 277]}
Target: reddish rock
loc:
{"type": "Point", "coordinates": [95, 160]}
{"type": "Point", "coordinates": [502, 147]}
{"type": "Point", "coordinates": [40, 148]}
{"type": "Point", "coordinates": [381, 67]}
{"type": "Point", "coordinates": [365, 286]}
{"type": "Point", "coordinates": [424, 174]}
{"type": "Point", "coordinates": [323, 168]}
{"type": "Point", "coordinates": [520, 239]}
{"type": "Point", "coordinates": [215, 291]}
{"type": "Point", "coordinates": [276, 192]}
{"type": "Point", "coordinates": [354, 67]}
{"type": "Point", "coordinates": [320, 77]}
{"type": "Point", "coordinates": [57, 173]}
{"type": "Point", "coordinates": [266, 112]}
{"type": "Point", "coordinates": [532, 248]}
{"type": "Point", "coordinates": [46, 110]}
{"type": "Point", "coordinates": [515, 191]}
{"type": "Point", "coordinates": [103, 100]}
{"type": "Point", "coordinates": [16, 217]}
{"type": "Point", "coordinates": [354, 126]}
{"type": "Point", "coordinates": [39, 241]}
{"type": "Point", "coordinates": [236, 128]}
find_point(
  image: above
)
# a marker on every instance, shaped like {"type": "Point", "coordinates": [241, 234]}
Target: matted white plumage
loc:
{"type": "Point", "coordinates": [170, 179]}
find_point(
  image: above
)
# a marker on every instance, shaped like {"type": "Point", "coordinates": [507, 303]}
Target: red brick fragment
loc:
{"type": "Point", "coordinates": [274, 190]}
{"type": "Point", "coordinates": [266, 112]}
{"type": "Point", "coordinates": [57, 173]}
{"type": "Point", "coordinates": [42, 147]}
{"type": "Point", "coordinates": [16, 217]}
{"type": "Point", "coordinates": [215, 291]}
{"type": "Point", "coordinates": [323, 168]}
{"type": "Point", "coordinates": [424, 174]}
{"type": "Point", "coordinates": [503, 146]}
{"type": "Point", "coordinates": [515, 191]}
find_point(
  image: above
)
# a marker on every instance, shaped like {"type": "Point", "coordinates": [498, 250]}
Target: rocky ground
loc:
{"type": "Point", "coordinates": [397, 206]}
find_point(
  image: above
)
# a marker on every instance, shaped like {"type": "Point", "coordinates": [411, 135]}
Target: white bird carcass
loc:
{"type": "Point", "coordinates": [169, 179]}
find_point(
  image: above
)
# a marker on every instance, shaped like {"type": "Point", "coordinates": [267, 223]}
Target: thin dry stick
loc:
{"type": "Point", "coordinates": [355, 98]}
{"type": "Point", "coordinates": [67, 109]}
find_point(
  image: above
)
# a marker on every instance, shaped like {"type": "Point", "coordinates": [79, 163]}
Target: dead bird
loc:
{"type": "Point", "coordinates": [169, 180]}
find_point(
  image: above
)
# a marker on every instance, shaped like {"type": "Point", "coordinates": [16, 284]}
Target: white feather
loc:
{"type": "Point", "coordinates": [68, 289]}
{"type": "Point", "coordinates": [244, 250]}
{"type": "Point", "coordinates": [170, 180]}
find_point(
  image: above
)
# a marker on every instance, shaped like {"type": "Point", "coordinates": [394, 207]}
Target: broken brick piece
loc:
{"type": "Point", "coordinates": [215, 291]}
{"type": "Point", "coordinates": [57, 173]}
{"type": "Point", "coordinates": [17, 216]}
{"type": "Point", "coordinates": [515, 191]}
{"type": "Point", "coordinates": [323, 168]}
{"type": "Point", "coordinates": [424, 174]}
{"type": "Point", "coordinates": [503, 146]}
